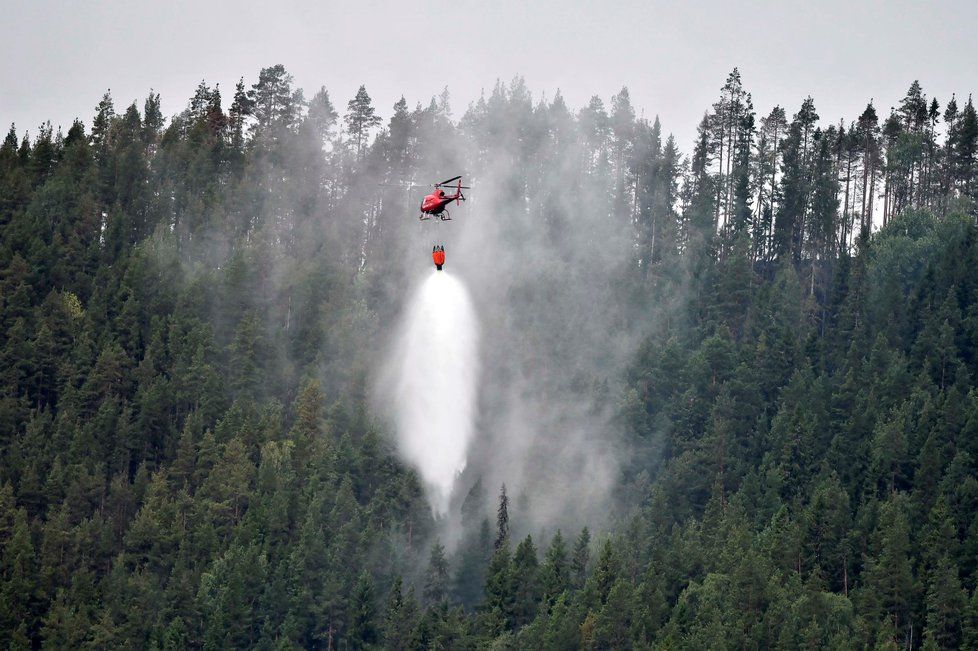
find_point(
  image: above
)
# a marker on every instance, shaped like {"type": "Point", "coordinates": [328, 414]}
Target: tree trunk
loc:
{"type": "Point", "coordinates": [862, 213]}
{"type": "Point", "coordinates": [872, 191]}
{"type": "Point", "coordinates": [845, 204]}
{"type": "Point", "coordinates": [886, 198]}
{"type": "Point", "coordinates": [716, 209]}
{"type": "Point", "coordinates": [730, 145]}
{"type": "Point", "coordinates": [774, 174]}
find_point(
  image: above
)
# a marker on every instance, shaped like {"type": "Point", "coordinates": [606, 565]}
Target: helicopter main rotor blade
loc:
{"type": "Point", "coordinates": [454, 178]}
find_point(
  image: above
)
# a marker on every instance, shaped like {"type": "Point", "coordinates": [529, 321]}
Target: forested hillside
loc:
{"type": "Point", "coordinates": [192, 308]}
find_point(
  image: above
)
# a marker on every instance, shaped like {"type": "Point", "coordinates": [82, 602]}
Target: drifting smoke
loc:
{"type": "Point", "coordinates": [431, 384]}
{"type": "Point", "coordinates": [546, 243]}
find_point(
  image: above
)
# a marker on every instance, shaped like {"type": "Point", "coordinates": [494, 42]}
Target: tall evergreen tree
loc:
{"type": "Point", "coordinates": [502, 520]}
{"type": "Point", "coordinates": [360, 119]}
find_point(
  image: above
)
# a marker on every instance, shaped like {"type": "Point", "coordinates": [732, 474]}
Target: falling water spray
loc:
{"type": "Point", "coordinates": [431, 384]}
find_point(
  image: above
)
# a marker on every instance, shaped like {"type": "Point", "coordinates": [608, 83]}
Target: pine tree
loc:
{"type": "Point", "coordinates": [622, 123]}
{"type": "Point", "coordinates": [867, 130]}
{"type": "Point", "coordinates": [360, 119]}
{"type": "Point", "coordinates": [153, 120]}
{"type": "Point", "coordinates": [770, 143]}
{"type": "Point", "coordinates": [274, 103]}
{"type": "Point", "coordinates": [241, 107]}
{"type": "Point", "coordinates": [104, 114]}
{"type": "Point", "coordinates": [893, 185]}
{"type": "Point", "coordinates": [792, 216]}
{"type": "Point", "coordinates": [322, 116]}
{"type": "Point", "coordinates": [965, 151]}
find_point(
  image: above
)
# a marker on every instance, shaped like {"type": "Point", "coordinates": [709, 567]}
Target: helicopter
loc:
{"type": "Point", "coordinates": [435, 203]}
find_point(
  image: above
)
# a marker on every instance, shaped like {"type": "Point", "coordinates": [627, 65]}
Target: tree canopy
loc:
{"type": "Point", "coordinates": [189, 309]}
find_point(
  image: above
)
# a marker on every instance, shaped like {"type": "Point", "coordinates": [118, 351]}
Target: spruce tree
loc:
{"type": "Point", "coordinates": [555, 573]}
{"type": "Point", "coordinates": [502, 520]}
{"type": "Point", "coordinates": [526, 579]}
{"type": "Point", "coordinates": [363, 626]}
{"type": "Point", "coordinates": [580, 559]}
{"type": "Point", "coordinates": [436, 579]}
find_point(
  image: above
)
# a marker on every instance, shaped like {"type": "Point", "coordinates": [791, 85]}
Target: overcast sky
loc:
{"type": "Point", "coordinates": [57, 58]}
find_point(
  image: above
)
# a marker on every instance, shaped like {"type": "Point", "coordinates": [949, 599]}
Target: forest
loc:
{"type": "Point", "coordinates": [772, 340]}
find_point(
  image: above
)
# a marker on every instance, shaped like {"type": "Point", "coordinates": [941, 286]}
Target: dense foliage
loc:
{"type": "Point", "coordinates": [187, 310]}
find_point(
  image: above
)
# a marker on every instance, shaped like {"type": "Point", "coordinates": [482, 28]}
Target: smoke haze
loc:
{"type": "Point", "coordinates": [548, 257]}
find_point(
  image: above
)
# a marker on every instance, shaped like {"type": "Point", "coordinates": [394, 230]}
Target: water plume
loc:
{"type": "Point", "coordinates": [431, 384]}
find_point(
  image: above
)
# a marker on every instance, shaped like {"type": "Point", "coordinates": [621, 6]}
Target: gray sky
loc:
{"type": "Point", "coordinates": [57, 58]}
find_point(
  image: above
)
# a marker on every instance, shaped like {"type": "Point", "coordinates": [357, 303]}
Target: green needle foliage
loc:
{"type": "Point", "coordinates": [190, 310]}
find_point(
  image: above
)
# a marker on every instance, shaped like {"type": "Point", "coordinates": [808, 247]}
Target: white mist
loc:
{"type": "Point", "coordinates": [432, 384]}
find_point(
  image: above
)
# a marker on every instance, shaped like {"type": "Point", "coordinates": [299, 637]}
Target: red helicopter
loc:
{"type": "Point", "coordinates": [436, 203]}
